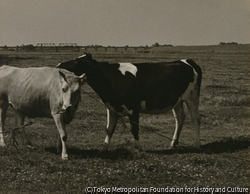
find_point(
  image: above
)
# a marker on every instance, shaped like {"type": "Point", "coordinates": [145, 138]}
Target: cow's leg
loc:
{"type": "Point", "coordinates": [3, 110]}
{"type": "Point", "coordinates": [179, 116]}
{"type": "Point", "coordinates": [62, 132]}
{"type": "Point", "coordinates": [193, 104]}
{"type": "Point", "coordinates": [134, 121]}
{"type": "Point", "coordinates": [59, 144]}
{"type": "Point", "coordinates": [20, 122]}
{"type": "Point", "coordinates": [112, 118]}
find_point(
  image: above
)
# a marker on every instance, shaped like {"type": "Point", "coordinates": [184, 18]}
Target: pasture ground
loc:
{"type": "Point", "coordinates": [222, 162]}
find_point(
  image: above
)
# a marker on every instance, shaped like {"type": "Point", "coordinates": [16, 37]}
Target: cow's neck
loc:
{"type": "Point", "coordinates": [100, 83]}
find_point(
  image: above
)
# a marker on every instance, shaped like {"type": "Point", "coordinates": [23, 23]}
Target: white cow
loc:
{"type": "Point", "coordinates": [39, 92]}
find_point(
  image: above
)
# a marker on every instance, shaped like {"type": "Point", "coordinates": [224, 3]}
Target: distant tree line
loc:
{"type": "Point", "coordinates": [29, 47]}
{"type": "Point", "coordinates": [227, 43]}
{"type": "Point", "coordinates": [75, 48]}
{"type": "Point", "coordinates": [158, 45]}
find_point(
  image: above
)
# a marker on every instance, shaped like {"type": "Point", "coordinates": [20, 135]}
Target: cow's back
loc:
{"type": "Point", "coordinates": [30, 90]}
{"type": "Point", "coordinates": [5, 78]}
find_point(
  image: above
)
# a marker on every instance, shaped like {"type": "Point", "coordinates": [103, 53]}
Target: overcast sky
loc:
{"type": "Point", "coordinates": [124, 22]}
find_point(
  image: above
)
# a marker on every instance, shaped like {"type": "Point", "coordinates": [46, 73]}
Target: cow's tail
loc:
{"type": "Point", "coordinates": [198, 70]}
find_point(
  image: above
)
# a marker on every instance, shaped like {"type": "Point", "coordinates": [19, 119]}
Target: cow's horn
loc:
{"type": "Point", "coordinates": [82, 76]}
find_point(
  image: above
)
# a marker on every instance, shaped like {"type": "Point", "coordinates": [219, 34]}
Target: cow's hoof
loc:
{"type": "Point", "coordinates": [65, 157]}
{"type": "Point", "coordinates": [2, 144]}
{"type": "Point", "coordinates": [138, 146]}
{"type": "Point", "coordinates": [198, 144]}
{"type": "Point", "coordinates": [173, 145]}
{"type": "Point", "coordinates": [105, 147]}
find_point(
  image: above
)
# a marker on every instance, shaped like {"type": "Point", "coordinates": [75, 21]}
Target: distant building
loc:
{"type": "Point", "coordinates": [46, 44]}
{"type": "Point", "coordinates": [67, 44]}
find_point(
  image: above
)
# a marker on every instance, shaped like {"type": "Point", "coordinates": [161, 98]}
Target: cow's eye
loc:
{"type": "Point", "coordinates": [64, 90]}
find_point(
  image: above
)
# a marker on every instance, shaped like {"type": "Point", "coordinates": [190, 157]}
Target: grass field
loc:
{"type": "Point", "coordinates": [222, 162]}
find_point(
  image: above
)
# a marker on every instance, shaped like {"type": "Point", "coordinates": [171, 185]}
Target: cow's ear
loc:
{"type": "Point", "coordinates": [63, 76]}
{"type": "Point", "coordinates": [89, 55]}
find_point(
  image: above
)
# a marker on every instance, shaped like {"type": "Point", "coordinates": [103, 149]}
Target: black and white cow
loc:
{"type": "Point", "coordinates": [153, 88]}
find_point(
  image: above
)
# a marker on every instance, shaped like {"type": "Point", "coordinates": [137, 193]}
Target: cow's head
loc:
{"type": "Point", "coordinates": [80, 65]}
{"type": "Point", "coordinates": [70, 86]}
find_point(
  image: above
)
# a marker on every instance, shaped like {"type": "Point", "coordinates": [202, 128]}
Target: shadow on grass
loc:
{"type": "Point", "coordinates": [226, 145]}
{"type": "Point", "coordinates": [120, 153]}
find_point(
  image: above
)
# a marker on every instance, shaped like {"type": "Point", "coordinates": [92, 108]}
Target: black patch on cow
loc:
{"type": "Point", "coordinates": [161, 84]}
